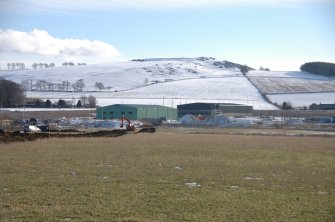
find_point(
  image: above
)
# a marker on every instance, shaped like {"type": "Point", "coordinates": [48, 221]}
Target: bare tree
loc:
{"type": "Point", "coordinates": [92, 101]}
{"type": "Point", "coordinates": [83, 100]}
{"type": "Point", "coordinates": [99, 86]}
{"type": "Point", "coordinates": [41, 85]}
{"type": "Point", "coordinates": [108, 88]}
{"type": "Point", "coordinates": [66, 85]}
{"type": "Point", "coordinates": [52, 65]}
{"type": "Point", "coordinates": [50, 86]}
{"type": "Point", "coordinates": [80, 84]}
{"type": "Point", "coordinates": [35, 65]}
{"type": "Point", "coordinates": [146, 81]}
{"type": "Point", "coordinates": [60, 87]}
{"type": "Point", "coordinates": [25, 84]}
{"type": "Point", "coordinates": [8, 65]}
{"type": "Point", "coordinates": [75, 87]}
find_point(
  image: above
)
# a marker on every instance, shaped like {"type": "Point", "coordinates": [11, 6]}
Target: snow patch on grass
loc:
{"type": "Point", "coordinates": [253, 178]}
{"type": "Point", "coordinates": [192, 185]}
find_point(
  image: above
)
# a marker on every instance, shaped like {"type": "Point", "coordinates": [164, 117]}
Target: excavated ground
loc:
{"type": "Point", "coordinates": [16, 136]}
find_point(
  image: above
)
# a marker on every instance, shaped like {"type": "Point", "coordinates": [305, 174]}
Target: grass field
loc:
{"type": "Point", "coordinates": [169, 176]}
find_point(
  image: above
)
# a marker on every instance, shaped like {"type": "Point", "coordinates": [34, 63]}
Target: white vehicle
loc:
{"type": "Point", "coordinates": [31, 129]}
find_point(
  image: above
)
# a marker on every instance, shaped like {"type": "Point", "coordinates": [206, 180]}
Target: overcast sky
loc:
{"type": "Point", "coordinates": [279, 34]}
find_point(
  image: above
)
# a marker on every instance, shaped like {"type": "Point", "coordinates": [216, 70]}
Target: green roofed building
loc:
{"type": "Point", "coordinates": [134, 112]}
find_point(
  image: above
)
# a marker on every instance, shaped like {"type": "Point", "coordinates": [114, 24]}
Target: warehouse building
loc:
{"type": "Point", "coordinates": [207, 109]}
{"type": "Point", "coordinates": [133, 112]}
{"type": "Point", "coordinates": [322, 107]}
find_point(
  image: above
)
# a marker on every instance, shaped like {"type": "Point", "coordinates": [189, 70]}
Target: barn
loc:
{"type": "Point", "coordinates": [133, 112]}
{"type": "Point", "coordinates": [207, 109]}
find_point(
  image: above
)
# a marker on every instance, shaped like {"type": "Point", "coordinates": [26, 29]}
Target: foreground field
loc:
{"type": "Point", "coordinates": [169, 176]}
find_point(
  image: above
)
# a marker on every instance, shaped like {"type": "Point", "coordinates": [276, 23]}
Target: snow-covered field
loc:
{"type": "Point", "coordinates": [171, 82]}
{"type": "Point", "coordinates": [288, 74]}
{"type": "Point", "coordinates": [303, 99]}
{"type": "Point", "coordinates": [270, 85]}
{"type": "Point", "coordinates": [298, 88]}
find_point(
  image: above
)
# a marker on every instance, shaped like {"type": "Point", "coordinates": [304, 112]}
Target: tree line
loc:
{"type": "Point", "coordinates": [82, 102]}
{"type": "Point", "coordinates": [41, 65]}
{"type": "Point", "coordinates": [16, 66]}
{"type": "Point", "coordinates": [264, 69]}
{"type": "Point", "coordinates": [319, 68]}
{"type": "Point", "coordinates": [64, 86]}
{"type": "Point", "coordinates": [12, 95]}
{"type": "Point", "coordinates": [43, 85]}
{"type": "Point", "coordinates": [72, 64]}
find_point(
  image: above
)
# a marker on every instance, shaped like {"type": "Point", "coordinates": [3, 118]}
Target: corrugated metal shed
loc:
{"type": "Point", "coordinates": [207, 109]}
{"type": "Point", "coordinates": [136, 111]}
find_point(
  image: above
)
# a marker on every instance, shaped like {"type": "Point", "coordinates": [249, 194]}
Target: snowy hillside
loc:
{"type": "Point", "coordinates": [125, 75]}
{"type": "Point", "coordinates": [176, 81]}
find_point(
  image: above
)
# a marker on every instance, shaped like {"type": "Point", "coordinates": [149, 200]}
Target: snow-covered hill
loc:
{"type": "Point", "coordinates": [176, 81]}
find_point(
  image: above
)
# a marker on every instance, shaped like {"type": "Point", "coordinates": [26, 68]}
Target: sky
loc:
{"type": "Point", "coordinates": [278, 34]}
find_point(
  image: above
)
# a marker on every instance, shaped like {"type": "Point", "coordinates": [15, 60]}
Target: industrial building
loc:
{"type": "Point", "coordinates": [207, 109]}
{"type": "Point", "coordinates": [133, 112]}
{"type": "Point", "coordinates": [322, 107]}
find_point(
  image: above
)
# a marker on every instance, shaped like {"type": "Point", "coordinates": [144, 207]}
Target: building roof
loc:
{"type": "Point", "coordinates": [213, 103]}
{"type": "Point", "coordinates": [138, 106]}
{"type": "Point", "coordinates": [216, 104]}
{"type": "Point", "coordinates": [232, 104]}
{"type": "Point", "coordinates": [326, 106]}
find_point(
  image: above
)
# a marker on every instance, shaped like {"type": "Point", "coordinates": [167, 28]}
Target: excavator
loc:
{"type": "Point", "coordinates": [130, 127]}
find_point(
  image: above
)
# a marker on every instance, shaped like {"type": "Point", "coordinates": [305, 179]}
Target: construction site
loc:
{"type": "Point", "coordinates": [20, 130]}
{"type": "Point", "coordinates": [22, 125]}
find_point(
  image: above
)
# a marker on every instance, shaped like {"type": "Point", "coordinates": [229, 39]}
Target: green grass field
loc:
{"type": "Point", "coordinates": [169, 176]}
